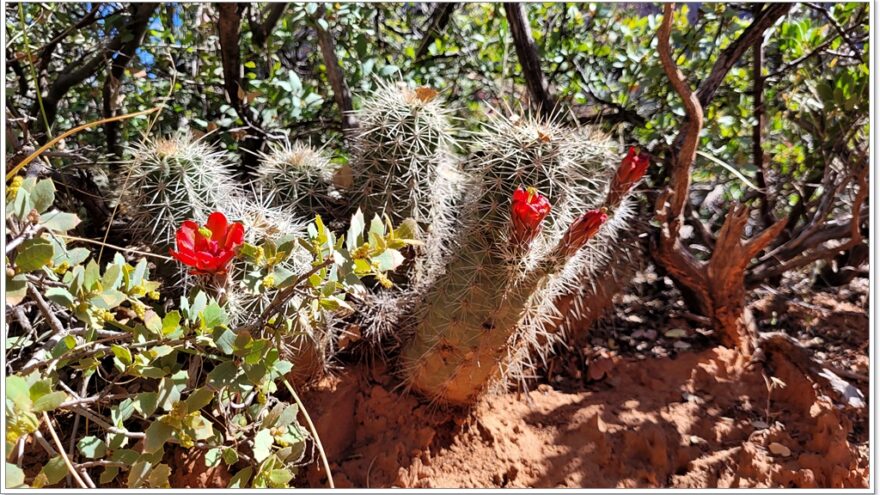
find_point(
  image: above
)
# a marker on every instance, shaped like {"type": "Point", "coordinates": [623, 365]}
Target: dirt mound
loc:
{"type": "Point", "coordinates": [702, 419]}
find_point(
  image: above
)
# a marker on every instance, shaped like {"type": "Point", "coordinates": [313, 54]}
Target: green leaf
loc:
{"type": "Point", "coordinates": [200, 398]}
{"type": "Point", "coordinates": [43, 195]}
{"type": "Point", "coordinates": [213, 457]}
{"type": "Point", "coordinates": [241, 478]}
{"type": "Point", "coordinates": [108, 299]}
{"type": "Point", "coordinates": [49, 401]}
{"type": "Point", "coordinates": [34, 254]}
{"type": "Point", "coordinates": [109, 474]}
{"type": "Point", "coordinates": [122, 354]}
{"type": "Point", "coordinates": [263, 444]}
{"type": "Point", "coordinates": [92, 447]}
{"type": "Point", "coordinates": [156, 435]}
{"type": "Point", "coordinates": [146, 403]}
{"type": "Point", "coordinates": [16, 289]}
{"type": "Point", "coordinates": [91, 275]}
{"type": "Point", "coordinates": [18, 391]}
{"type": "Point", "coordinates": [112, 277]}
{"type": "Point", "coordinates": [153, 322]}
{"type": "Point", "coordinates": [279, 478]}
{"type": "Point", "coordinates": [63, 345]}
{"type": "Point", "coordinates": [59, 221]}
{"type": "Point", "coordinates": [354, 237]}
{"type": "Point", "coordinates": [230, 456]}
{"type": "Point", "coordinates": [170, 323]}
{"type": "Point", "coordinates": [22, 205]}
{"type": "Point", "coordinates": [223, 374]}
{"type": "Point", "coordinates": [137, 475]}
{"type": "Point", "coordinates": [122, 411]}
{"type": "Point", "coordinates": [159, 475]}
{"type": "Point", "coordinates": [389, 260]}
{"type": "Point", "coordinates": [213, 315]}
{"type": "Point", "coordinates": [54, 471]}
{"type": "Point", "coordinates": [14, 476]}
{"type": "Point", "coordinates": [170, 389]}
{"type": "Point", "coordinates": [224, 339]}
{"type": "Point", "coordinates": [60, 296]}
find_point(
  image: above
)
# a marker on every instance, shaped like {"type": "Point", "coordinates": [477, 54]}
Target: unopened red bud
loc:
{"type": "Point", "coordinates": [528, 209]}
{"type": "Point", "coordinates": [582, 230]}
{"type": "Point", "coordinates": [630, 171]}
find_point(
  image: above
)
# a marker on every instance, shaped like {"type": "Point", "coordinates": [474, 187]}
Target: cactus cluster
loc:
{"type": "Point", "coordinates": [531, 215]}
{"type": "Point", "coordinates": [169, 180]}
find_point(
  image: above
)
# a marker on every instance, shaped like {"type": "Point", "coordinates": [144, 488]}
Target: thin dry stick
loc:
{"type": "Point", "coordinates": [314, 432]}
{"type": "Point", "coordinates": [63, 455]}
{"type": "Point", "coordinates": [33, 156]}
{"type": "Point", "coordinates": [119, 248]}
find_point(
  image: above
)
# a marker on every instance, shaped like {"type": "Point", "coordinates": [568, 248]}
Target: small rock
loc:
{"type": "Point", "coordinates": [651, 334]}
{"type": "Point", "coordinates": [681, 345]}
{"type": "Point", "coordinates": [695, 440]}
{"type": "Point", "coordinates": [675, 333]}
{"type": "Point", "coordinates": [631, 404]}
{"type": "Point", "coordinates": [761, 425]}
{"type": "Point", "coordinates": [778, 449]}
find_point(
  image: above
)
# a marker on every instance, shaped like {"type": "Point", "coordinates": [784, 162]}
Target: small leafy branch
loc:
{"type": "Point", "coordinates": [100, 353]}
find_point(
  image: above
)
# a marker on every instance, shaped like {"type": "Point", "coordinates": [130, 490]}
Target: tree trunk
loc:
{"type": "Point", "coordinates": [527, 53]}
{"type": "Point", "coordinates": [334, 72]}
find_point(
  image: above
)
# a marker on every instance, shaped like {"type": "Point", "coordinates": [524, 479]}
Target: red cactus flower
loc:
{"type": "Point", "coordinates": [208, 249]}
{"type": "Point", "coordinates": [631, 170]}
{"type": "Point", "coordinates": [528, 210]}
{"type": "Point", "coordinates": [582, 230]}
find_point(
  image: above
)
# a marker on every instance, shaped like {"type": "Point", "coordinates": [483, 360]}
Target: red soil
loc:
{"type": "Point", "coordinates": [698, 420]}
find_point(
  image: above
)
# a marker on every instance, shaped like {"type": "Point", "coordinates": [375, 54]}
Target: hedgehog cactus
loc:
{"type": "Point", "coordinates": [403, 164]}
{"type": "Point", "coordinates": [301, 178]}
{"type": "Point", "coordinates": [169, 180]}
{"type": "Point", "coordinates": [496, 293]}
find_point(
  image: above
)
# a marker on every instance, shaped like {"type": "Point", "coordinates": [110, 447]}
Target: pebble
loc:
{"type": "Point", "coordinates": [778, 449]}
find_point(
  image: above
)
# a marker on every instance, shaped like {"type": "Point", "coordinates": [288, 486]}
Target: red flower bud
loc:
{"type": "Point", "coordinates": [208, 249]}
{"type": "Point", "coordinates": [528, 210]}
{"type": "Point", "coordinates": [582, 230]}
{"type": "Point", "coordinates": [630, 171]}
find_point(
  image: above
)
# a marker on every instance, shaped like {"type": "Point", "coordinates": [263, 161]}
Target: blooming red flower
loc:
{"type": "Point", "coordinates": [630, 171]}
{"type": "Point", "coordinates": [582, 230]}
{"type": "Point", "coordinates": [528, 210]}
{"type": "Point", "coordinates": [208, 249]}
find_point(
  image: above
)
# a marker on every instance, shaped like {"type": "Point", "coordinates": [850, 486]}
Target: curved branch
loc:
{"type": "Point", "coordinates": [679, 177]}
